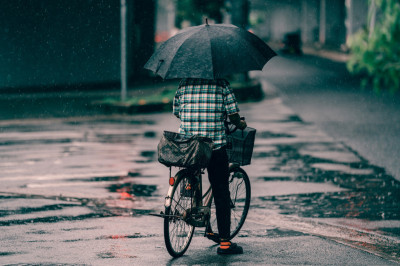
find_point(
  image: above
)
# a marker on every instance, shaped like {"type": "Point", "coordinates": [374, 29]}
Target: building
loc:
{"type": "Point", "coordinates": [322, 22]}
{"type": "Point", "coordinates": [56, 44]}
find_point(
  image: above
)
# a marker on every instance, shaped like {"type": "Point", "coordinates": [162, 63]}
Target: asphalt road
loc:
{"type": "Point", "coordinates": [321, 91]}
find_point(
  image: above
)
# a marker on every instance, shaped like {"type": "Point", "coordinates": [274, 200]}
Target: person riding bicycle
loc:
{"type": "Point", "coordinates": [202, 106]}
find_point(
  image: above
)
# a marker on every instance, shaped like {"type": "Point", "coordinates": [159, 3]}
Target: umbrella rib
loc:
{"type": "Point", "coordinates": [212, 52]}
{"type": "Point", "coordinates": [253, 55]}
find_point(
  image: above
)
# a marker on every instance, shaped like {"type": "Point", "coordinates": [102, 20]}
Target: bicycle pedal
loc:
{"type": "Point", "coordinates": [197, 216]}
{"type": "Point", "coordinates": [212, 236]}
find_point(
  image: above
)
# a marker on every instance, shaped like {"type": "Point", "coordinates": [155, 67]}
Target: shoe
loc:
{"type": "Point", "coordinates": [229, 248]}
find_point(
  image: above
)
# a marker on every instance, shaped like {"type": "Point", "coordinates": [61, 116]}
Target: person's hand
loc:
{"type": "Point", "coordinates": [242, 124]}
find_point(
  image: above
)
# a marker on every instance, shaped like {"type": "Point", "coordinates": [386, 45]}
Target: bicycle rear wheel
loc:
{"type": "Point", "coordinates": [240, 193]}
{"type": "Point", "coordinates": [177, 233]}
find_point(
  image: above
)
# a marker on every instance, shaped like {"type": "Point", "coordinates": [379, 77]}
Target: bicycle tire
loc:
{"type": "Point", "coordinates": [240, 192]}
{"type": "Point", "coordinates": [177, 233]}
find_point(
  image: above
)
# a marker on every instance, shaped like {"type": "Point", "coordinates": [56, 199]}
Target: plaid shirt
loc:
{"type": "Point", "coordinates": [201, 106]}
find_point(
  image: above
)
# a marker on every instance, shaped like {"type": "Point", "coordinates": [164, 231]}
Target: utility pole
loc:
{"type": "Point", "coordinates": [123, 51]}
{"type": "Point", "coordinates": [372, 17]}
{"type": "Point", "coordinates": [240, 13]}
{"type": "Point", "coordinates": [322, 22]}
{"type": "Point", "coordinates": [240, 18]}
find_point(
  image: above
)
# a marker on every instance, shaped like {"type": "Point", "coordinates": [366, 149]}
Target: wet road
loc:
{"type": "Point", "coordinates": [322, 91]}
{"type": "Point", "coordinates": [79, 191]}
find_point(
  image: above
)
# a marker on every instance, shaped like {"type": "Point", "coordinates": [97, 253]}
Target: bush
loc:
{"type": "Point", "coordinates": [376, 51]}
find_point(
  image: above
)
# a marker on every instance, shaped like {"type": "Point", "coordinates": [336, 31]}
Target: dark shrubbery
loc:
{"type": "Point", "coordinates": [376, 51]}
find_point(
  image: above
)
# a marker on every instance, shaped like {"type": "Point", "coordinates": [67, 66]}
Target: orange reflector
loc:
{"type": "Point", "coordinates": [171, 181]}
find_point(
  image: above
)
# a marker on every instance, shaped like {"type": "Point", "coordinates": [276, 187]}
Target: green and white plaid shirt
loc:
{"type": "Point", "coordinates": [201, 106]}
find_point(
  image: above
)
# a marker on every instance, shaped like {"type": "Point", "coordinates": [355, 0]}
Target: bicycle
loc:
{"type": "Point", "coordinates": [186, 207]}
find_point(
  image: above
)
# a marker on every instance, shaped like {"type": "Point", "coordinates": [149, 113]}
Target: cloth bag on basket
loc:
{"type": "Point", "coordinates": [181, 150]}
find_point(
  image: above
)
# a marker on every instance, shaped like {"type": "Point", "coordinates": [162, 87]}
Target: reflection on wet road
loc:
{"type": "Point", "coordinates": [74, 174]}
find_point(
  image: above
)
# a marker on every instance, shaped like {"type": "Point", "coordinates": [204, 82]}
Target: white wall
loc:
{"type": "Point", "coordinates": [309, 21]}
{"type": "Point", "coordinates": [357, 14]}
{"type": "Point", "coordinates": [278, 18]}
{"type": "Point", "coordinates": [327, 26]}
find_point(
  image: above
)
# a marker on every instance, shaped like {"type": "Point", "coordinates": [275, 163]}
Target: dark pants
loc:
{"type": "Point", "coordinates": [218, 174]}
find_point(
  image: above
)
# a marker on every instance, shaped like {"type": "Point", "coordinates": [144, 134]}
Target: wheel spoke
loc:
{"type": "Point", "coordinates": [239, 188]}
{"type": "Point", "coordinates": [177, 233]}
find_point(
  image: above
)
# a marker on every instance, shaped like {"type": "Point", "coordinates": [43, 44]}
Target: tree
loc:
{"type": "Point", "coordinates": [194, 11]}
{"type": "Point", "coordinates": [375, 50]}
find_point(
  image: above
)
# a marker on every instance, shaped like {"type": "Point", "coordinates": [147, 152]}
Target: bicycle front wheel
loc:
{"type": "Point", "coordinates": [240, 194]}
{"type": "Point", "coordinates": [177, 233]}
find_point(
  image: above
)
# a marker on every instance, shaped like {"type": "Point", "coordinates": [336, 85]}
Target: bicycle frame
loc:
{"type": "Point", "coordinates": [202, 207]}
{"type": "Point", "coordinates": [207, 197]}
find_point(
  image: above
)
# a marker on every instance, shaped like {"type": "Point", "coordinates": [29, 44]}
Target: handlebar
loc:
{"type": "Point", "coordinates": [230, 127]}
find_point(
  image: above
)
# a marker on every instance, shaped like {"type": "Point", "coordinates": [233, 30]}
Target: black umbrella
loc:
{"type": "Point", "coordinates": [209, 52]}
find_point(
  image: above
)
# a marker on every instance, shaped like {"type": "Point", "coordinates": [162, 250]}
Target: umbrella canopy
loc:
{"type": "Point", "coordinates": [209, 52]}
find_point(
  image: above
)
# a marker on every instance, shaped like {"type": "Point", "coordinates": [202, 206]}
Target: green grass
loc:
{"type": "Point", "coordinates": [163, 96]}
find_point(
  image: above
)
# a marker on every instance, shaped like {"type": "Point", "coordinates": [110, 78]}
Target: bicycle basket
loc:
{"type": "Point", "coordinates": [182, 150]}
{"type": "Point", "coordinates": [240, 146]}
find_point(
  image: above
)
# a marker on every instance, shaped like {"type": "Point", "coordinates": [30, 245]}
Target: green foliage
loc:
{"type": "Point", "coordinates": [150, 97]}
{"type": "Point", "coordinates": [376, 51]}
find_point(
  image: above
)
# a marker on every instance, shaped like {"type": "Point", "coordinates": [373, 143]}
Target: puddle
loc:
{"type": "Point", "coordinates": [150, 134]}
{"type": "Point", "coordinates": [349, 204]}
{"type": "Point", "coordinates": [148, 154]}
{"type": "Point", "coordinates": [130, 189]}
{"type": "Point", "coordinates": [56, 219]}
{"type": "Point", "coordinates": [391, 231]}
{"type": "Point", "coordinates": [36, 141]}
{"type": "Point", "coordinates": [269, 134]}
{"type": "Point", "coordinates": [341, 168]}
{"type": "Point", "coordinates": [106, 178]}
{"type": "Point", "coordinates": [101, 122]}
{"type": "Point", "coordinates": [116, 138]}
{"type": "Point", "coordinates": [80, 209]}
{"type": "Point", "coordinates": [80, 228]}
{"type": "Point", "coordinates": [114, 255]}
{"type": "Point", "coordinates": [292, 118]}
{"type": "Point", "coordinates": [3, 254]}
{"type": "Point", "coordinates": [99, 179]}
{"type": "Point", "coordinates": [148, 157]}
{"type": "Point", "coordinates": [280, 232]}
{"type": "Point", "coordinates": [276, 178]}
{"type": "Point", "coordinates": [27, 210]}
{"type": "Point", "coordinates": [136, 235]}
{"type": "Point", "coordinates": [368, 192]}
{"type": "Point", "coordinates": [21, 128]}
